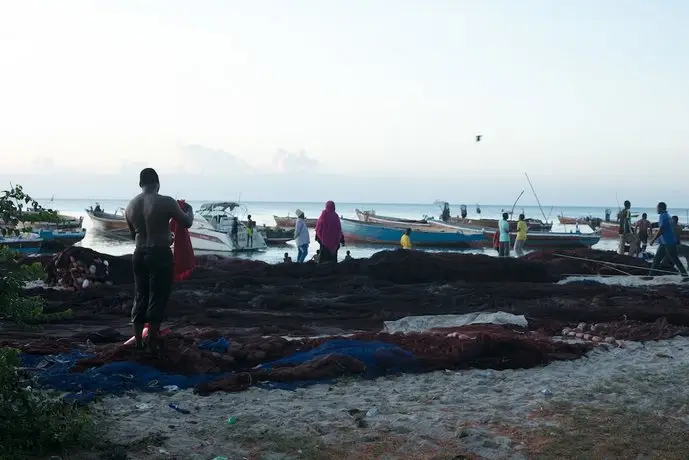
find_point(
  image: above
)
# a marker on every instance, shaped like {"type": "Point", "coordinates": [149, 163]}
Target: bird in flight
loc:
{"type": "Point", "coordinates": [478, 137]}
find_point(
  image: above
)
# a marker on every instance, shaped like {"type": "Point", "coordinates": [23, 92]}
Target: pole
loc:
{"type": "Point", "coordinates": [536, 196]}
{"type": "Point", "coordinates": [515, 204]}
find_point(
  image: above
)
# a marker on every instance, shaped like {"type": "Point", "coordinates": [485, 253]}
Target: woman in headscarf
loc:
{"type": "Point", "coordinates": [329, 233]}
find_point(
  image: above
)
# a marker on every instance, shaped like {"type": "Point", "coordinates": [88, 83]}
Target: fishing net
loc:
{"type": "Point", "coordinates": [221, 365]}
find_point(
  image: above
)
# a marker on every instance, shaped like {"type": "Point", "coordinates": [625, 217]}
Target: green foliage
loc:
{"type": "Point", "coordinates": [33, 422]}
{"type": "Point", "coordinates": [14, 306]}
{"type": "Point", "coordinates": [16, 206]}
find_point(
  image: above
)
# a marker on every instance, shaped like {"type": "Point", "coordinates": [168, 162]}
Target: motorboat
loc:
{"type": "Point", "coordinates": [212, 229]}
{"type": "Point", "coordinates": [107, 222]}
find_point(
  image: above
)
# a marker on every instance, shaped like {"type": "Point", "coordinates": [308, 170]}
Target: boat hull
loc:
{"type": "Point", "coordinates": [362, 232]}
{"type": "Point", "coordinates": [290, 222]}
{"type": "Point", "coordinates": [609, 230]}
{"type": "Point", "coordinates": [550, 240]}
{"type": "Point", "coordinates": [533, 225]}
{"type": "Point", "coordinates": [392, 221]}
{"type": "Point", "coordinates": [45, 242]}
{"type": "Point", "coordinates": [107, 222]}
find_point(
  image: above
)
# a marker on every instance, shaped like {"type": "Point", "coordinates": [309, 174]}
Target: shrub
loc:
{"type": "Point", "coordinates": [33, 422]}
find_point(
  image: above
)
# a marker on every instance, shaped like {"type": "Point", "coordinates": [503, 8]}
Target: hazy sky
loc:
{"type": "Point", "coordinates": [571, 92]}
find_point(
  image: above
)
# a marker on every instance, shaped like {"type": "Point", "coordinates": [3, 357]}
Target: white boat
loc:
{"type": "Point", "coordinates": [212, 230]}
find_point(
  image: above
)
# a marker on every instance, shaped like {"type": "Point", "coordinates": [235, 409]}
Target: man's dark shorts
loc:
{"type": "Point", "coordinates": [153, 276]}
{"type": "Point", "coordinates": [643, 237]}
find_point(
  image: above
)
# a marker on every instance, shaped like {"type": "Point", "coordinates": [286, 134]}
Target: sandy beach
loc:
{"type": "Point", "coordinates": [511, 414]}
{"type": "Point", "coordinates": [594, 368]}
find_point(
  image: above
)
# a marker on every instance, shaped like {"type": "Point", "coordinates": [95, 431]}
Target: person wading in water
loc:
{"type": "Point", "coordinates": [148, 216]}
{"type": "Point", "coordinates": [522, 229]}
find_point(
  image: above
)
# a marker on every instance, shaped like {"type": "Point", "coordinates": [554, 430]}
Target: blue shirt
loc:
{"type": "Point", "coordinates": [664, 222]}
{"type": "Point", "coordinates": [504, 231]}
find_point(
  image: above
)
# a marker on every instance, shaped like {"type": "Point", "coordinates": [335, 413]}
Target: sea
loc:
{"type": "Point", "coordinates": [263, 212]}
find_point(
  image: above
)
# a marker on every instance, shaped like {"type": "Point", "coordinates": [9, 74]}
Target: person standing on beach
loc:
{"type": "Point", "coordinates": [301, 236]}
{"type": "Point", "coordinates": [148, 216]}
{"type": "Point", "coordinates": [405, 241]}
{"type": "Point", "coordinates": [642, 227]}
{"type": "Point", "coordinates": [625, 230]}
{"type": "Point", "coordinates": [504, 242]}
{"type": "Point", "coordinates": [329, 233]}
{"type": "Point", "coordinates": [522, 229]}
{"type": "Point", "coordinates": [668, 242]}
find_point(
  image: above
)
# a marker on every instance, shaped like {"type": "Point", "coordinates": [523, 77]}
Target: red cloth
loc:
{"type": "Point", "coordinates": [329, 228]}
{"type": "Point", "coordinates": [184, 253]}
{"type": "Point", "coordinates": [496, 240]}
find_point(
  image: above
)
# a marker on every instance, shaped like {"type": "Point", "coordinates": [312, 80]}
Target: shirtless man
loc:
{"type": "Point", "coordinates": [148, 216]}
{"type": "Point", "coordinates": [643, 226]}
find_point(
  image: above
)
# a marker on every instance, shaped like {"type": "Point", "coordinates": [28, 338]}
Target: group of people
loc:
{"type": "Point", "coordinates": [503, 236]}
{"type": "Point", "coordinates": [328, 236]}
{"type": "Point", "coordinates": [668, 235]}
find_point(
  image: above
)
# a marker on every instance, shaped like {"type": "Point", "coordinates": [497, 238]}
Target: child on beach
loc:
{"type": "Point", "coordinates": [287, 259]}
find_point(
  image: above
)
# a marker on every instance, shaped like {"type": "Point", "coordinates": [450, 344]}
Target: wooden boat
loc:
{"type": "Point", "coordinates": [551, 240]}
{"type": "Point", "coordinates": [106, 222]}
{"type": "Point", "coordinates": [374, 233]}
{"type": "Point", "coordinates": [276, 236]}
{"type": "Point", "coordinates": [64, 222]}
{"type": "Point", "coordinates": [372, 217]}
{"type": "Point", "coordinates": [574, 220]}
{"type": "Point", "coordinates": [290, 222]}
{"type": "Point", "coordinates": [44, 242]}
{"type": "Point", "coordinates": [610, 230]}
{"type": "Point", "coordinates": [534, 225]}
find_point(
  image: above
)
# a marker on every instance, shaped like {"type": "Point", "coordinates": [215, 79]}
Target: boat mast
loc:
{"type": "Point", "coordinates": [536, 196]}
{"type": "Point", "coordinates": [515, 204]}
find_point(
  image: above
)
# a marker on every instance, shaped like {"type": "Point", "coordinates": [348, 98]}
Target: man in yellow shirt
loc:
{"type": "Point", "coordinates": [522, 228]}
{"type": "Point", "coordinates": [405, 241]}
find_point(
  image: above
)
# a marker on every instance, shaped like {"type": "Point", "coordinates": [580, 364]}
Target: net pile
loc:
{"type": "Point", "coordinates": [216, 364]}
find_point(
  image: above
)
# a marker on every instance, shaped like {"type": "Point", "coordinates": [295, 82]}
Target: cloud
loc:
{"type": "Point", "coordinates": [43, 164]}
{"type": "Point", "coordinates": [205, 160]}
{"type": "Point", "coordinates": [286, 163]}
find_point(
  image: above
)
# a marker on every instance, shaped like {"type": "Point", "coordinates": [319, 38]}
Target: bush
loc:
{"type": "Point", "coordinates": [13, 306]}
{"type": "Point", "coordinates": [33, 422]}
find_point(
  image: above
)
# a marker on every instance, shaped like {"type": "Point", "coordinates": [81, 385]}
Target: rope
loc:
{"type": "Point", "coordinates": [611, 264]}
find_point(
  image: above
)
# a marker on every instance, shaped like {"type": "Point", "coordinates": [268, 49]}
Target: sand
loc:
{"type": "Point", "coordinates": [476, 411]}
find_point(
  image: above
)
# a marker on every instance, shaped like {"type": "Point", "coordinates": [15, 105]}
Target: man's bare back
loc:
{"type": "Point", "coordinates": [148, 216]}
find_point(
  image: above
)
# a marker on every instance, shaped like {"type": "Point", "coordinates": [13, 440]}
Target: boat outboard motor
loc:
{"type": "Point", "coordinates": [463, 211]}
{"type": "Point", "coordinates": [607, 214]}
{"type": "Point", "coordinates": [478, 209]}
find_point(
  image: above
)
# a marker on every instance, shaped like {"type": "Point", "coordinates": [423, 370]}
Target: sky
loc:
{"type": "Point", "coordinates": [324, 97]}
